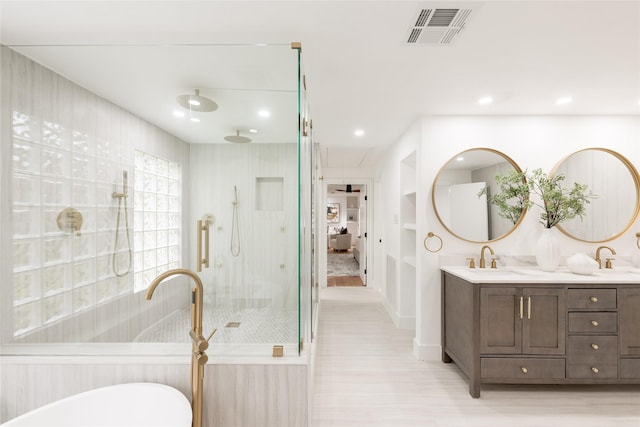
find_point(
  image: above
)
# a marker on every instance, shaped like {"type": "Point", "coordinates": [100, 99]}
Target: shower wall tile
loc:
{"type": "Point", "coordinates": [265, 272]}
{"type": "Point", "coordinates": [67, 148]}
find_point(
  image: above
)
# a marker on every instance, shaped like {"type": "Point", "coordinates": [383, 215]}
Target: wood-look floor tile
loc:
{"type": "Point", "coordinates": [366, 375]}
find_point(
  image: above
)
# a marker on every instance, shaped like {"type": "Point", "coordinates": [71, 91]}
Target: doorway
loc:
{"type": "Point", "coordinates": [346, 234]}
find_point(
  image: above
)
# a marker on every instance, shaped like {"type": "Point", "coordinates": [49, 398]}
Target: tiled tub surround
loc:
{"type": "Point", "coordinates": [239, 392]}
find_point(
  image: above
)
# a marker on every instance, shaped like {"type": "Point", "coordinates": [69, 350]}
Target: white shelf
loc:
{"type": "Point", "coordinates": [409, 226]}
{"type": "Point", "coordinates": [409, 192]}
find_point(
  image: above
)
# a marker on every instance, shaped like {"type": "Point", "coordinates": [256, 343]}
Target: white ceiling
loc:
{"type": "Point", "coordinates": [360, 72]}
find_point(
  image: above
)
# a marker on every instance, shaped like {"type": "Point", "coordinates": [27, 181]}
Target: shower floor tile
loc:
{"type": "Point", "coordinates": [256, 325]}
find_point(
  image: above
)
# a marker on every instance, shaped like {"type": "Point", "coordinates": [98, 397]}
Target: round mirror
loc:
{"type": "Point", "coordinates": [614, 180]}
{"type": "Point", "coordinates": [460, 195]}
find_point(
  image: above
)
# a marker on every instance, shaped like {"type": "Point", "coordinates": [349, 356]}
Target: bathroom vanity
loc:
{"type": "Point", "coordinates": [526, 326]}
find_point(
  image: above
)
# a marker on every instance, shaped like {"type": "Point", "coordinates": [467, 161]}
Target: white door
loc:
{"type": "Point", "coordinates": [362, 245]}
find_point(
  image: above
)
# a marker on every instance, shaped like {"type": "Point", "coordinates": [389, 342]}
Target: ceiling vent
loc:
{"type": "Point", "coordinates": [437, 26]}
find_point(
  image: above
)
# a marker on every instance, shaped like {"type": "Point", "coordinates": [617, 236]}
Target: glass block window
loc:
{"type": "Point", "coordinates": [55, 269]}
{"type": "Point", "coordinates": [157, 218]}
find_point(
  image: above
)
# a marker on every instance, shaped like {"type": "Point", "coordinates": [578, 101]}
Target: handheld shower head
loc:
{"type": "Point", "coordinates": [125, 186]}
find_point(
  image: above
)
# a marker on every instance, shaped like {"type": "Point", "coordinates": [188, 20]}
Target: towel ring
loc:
{"type": "Point", "coordinates": [638, 241]}
{"type": "Point", "coordinates": [432, 235]}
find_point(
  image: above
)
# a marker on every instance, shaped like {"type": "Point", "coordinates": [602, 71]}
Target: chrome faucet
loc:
{"type": "Point", "coordinates": [599, 260]}
{"type": "Point", "coordinates": [483, 264]}
{"type": "Point", "coordinates": [198, 358]}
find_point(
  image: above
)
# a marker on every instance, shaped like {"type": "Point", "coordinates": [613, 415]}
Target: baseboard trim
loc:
{"type": "Point", "coordinates": [431, 353]}
{"type": "Point", "coordinates": [401, 322]}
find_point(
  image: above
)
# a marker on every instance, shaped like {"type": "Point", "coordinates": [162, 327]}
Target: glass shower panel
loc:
{"type": "Point", "coordinates": [85, 138]}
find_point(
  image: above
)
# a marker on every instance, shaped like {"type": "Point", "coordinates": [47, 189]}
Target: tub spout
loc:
{"type": "Point", "coordinates": [198, 357]}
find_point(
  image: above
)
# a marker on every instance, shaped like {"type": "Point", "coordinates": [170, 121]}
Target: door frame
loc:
{"type": "Point", "coordinates": [367, 247]}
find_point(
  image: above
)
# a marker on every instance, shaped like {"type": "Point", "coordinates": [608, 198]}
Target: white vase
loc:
{"type": "Point", "coordinates": [548, 250]}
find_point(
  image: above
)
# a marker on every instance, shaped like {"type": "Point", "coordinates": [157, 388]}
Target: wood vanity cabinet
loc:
{"type": "Point", "coordinates": [629, 333]}
{"type": "Point", "coordinates": [541, 333]}
{"type": "Point", "coordinates": [520, 320]}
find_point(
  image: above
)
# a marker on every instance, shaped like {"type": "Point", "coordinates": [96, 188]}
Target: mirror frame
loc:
{"type": "Point", "coordinates": [636, 180]}
{"type": "Point", "coordinates": [433, 194]}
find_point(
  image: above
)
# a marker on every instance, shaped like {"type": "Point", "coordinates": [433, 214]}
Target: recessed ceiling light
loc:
{"type": "Point", "coordinates": [564, 100]}
{"type": "Point", "coordinates": [178, 113]}
{"type": "Point", "coordinates": [253, 130]}
{"type": "Point", "coordinates": [485, 100]}
{"type": "Point", "coordinates": [264, 113]}
{"type": "Point", "coordinates": [358, 132]}
{"type": "Point", "coordinates": [459, 159]}
{"type": "Point", "coordinates": [195, 120]}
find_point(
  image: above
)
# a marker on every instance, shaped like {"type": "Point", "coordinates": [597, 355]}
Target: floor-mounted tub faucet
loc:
{"type": "Point", "coordinates": [198, 358]}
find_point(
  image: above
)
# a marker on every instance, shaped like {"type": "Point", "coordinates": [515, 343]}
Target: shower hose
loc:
{"type": "Point", "coordinates": [122, 199]}
{"type": "Point", "coordinates": [235, 236]}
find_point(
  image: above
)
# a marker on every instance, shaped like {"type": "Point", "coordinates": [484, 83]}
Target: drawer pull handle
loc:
{"type": "Point", "coordinates": [524, 369]}
{"type": "Point", "coordinates": [593, 299]}
{"type": "Point", "coordinates": [594, 323]}
{"type": "Point", "coordinates": [595, 346]}
{"type": "Point", "coordinates": [595, 370]}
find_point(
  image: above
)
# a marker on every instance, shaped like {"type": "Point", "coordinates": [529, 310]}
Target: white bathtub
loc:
{"type": "Point", "coordinates": [130, 405]}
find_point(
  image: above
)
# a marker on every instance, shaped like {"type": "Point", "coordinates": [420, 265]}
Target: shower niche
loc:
{"type": "Point", "coordinates": [270, 194]}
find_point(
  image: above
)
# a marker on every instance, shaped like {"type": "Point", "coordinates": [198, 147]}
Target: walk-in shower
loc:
{"type": "Point", "coordinates": [141, 177]}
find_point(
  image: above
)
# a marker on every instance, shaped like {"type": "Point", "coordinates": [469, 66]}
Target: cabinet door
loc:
{"type": "Point", "coordinates": [629, 321]}
{"type": "Point", "coordinates": [544, 324]}
{"type": "Point", "coordinates": [500, 321]}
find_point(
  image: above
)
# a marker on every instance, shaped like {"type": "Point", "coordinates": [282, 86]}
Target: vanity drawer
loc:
{"type": "Point", "coordinates": [630, 368]}
{"type": "Point", "coordinates": [521, 368]}
{"type": "Point", "coordinates": [592, 349]}
{"type": "Point", "coordinates": [591, 299]}
{"type": "Point", "coordinates": [596, 370]}
{"type": "Point", "coordinates": [595, 323]}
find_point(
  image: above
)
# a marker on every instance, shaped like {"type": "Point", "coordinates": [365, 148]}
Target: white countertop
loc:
{"type": "Point", "coordinates": [625, 275]}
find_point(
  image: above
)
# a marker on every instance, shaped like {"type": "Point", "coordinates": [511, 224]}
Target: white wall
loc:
{"type": "Point", "coordinates": [387, 217]}
{"type": "Point", "coordinates": [532, 142]}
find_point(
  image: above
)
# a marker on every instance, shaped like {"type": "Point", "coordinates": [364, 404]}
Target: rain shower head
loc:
{"type": "Point", "coordinates": [237, 138]}
{"type": "Point", "coordinates": [197, 103]}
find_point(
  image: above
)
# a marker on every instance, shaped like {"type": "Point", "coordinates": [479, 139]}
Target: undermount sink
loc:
{"type": "Point", "coordinates": [618, 270]}
{"type": "Point", "coordinates": [500, 271]}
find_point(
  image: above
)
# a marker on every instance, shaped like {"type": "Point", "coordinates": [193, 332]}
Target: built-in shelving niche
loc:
{"type": "Point", "coordinates": [407, 283]}
{"type": "Point", "coordinates": [269, 194]}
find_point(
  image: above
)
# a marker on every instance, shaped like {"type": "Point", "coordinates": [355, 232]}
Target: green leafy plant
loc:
{"type": "Point", "coordinates": [558, 203]}
{"type": "Point", "coordinates": [513, 195]}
